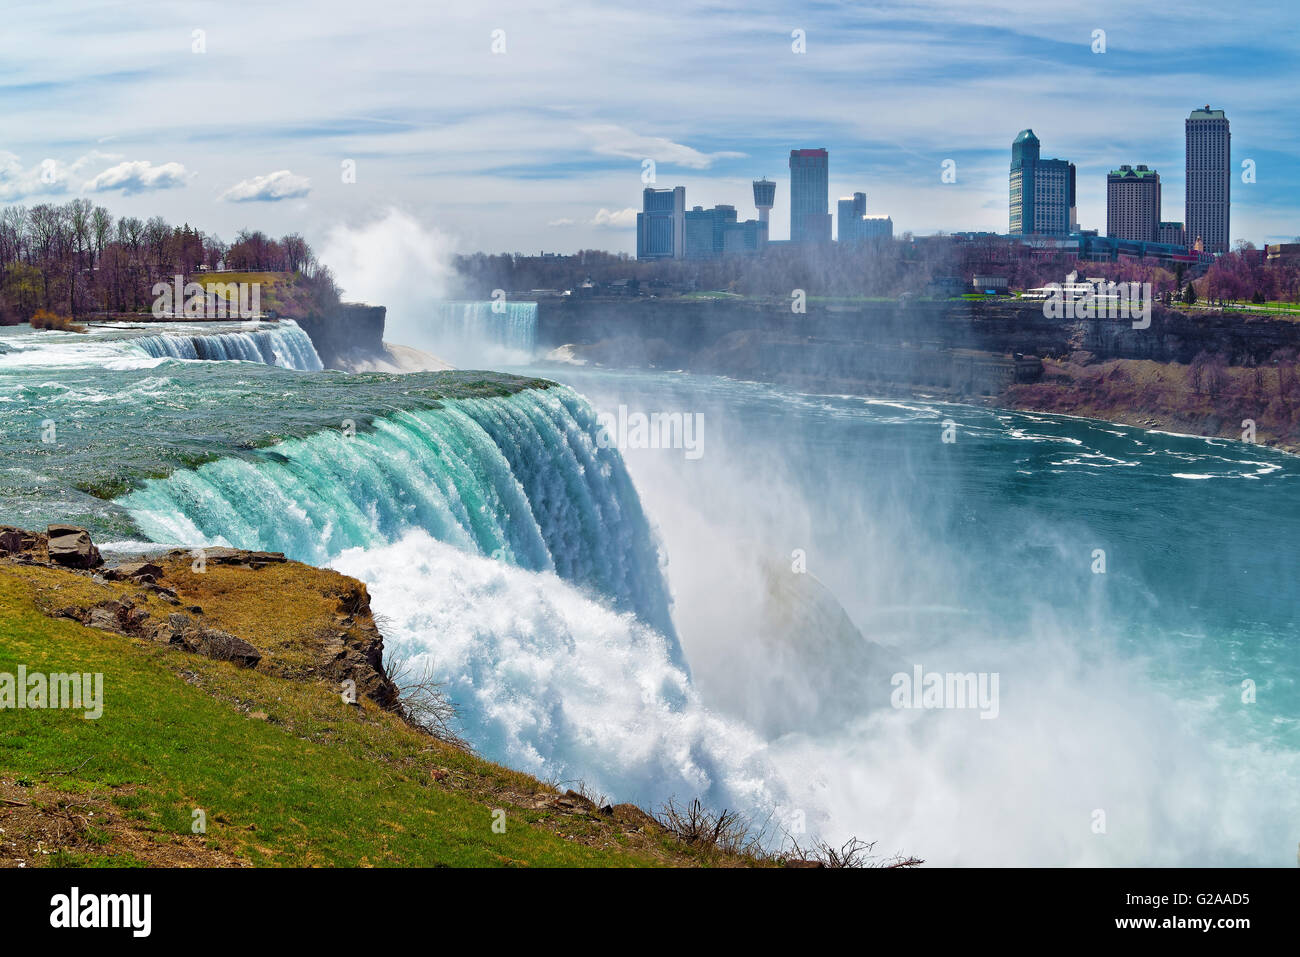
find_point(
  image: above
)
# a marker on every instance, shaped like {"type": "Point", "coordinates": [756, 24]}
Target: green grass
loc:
{"type": "Point", "coordinates": [715, 294]}
{"type": "Point", "coordinates": [1272, 305]}
{"type": "Point", "coordinates": [852, 299]}
{"type": "Point", "coordinates": [317, 782]}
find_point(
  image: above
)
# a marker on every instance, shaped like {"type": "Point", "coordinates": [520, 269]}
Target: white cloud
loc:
{"type": "Point", "coordinates": [46, 178]}
{"type": "Point", "coordinates": [17, 182]}
{"type": "Point", "coordinates": [607, 218]}
{"type": "Point", "coordinates": [615, 218]}
{"type": "Point", "coordinates": [611, 140]}
{"type": "Point", "coordinates": [138, 176]}
{"type": "Point", "coordinates": [270, 188]}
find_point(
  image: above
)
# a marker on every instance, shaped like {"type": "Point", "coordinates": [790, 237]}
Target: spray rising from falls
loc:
{"type": "Point", "coordinates": [519, 478]}
{"type": "Point", "coordinates": [284, 344]}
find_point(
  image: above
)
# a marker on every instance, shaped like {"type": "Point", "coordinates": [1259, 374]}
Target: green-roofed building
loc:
{"type": "Point", "coordinates": [1133, 204]}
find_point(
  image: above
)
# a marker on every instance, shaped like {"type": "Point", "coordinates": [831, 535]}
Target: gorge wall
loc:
{"type": "Point", "coordinates": [346, 333]}
{"type": "Point", "coordinates": [959, 348]}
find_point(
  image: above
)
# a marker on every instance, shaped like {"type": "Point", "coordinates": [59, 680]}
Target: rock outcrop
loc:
{"type": "Point", "coordinates": [956, 348]}
{"type": "Point", "coordinates": [347, 333]}
{"type": "Point", "coordinates": [67, 545]}
{"type": "Point", "coordinates": [160, 598]}
{"type": "Point", "coordinates": [71, 546]}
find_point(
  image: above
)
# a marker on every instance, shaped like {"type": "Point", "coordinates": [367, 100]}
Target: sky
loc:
{"type": "Point", "coordinates": [522, 127]}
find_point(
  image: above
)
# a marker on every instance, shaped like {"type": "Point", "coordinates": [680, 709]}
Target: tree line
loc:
{"type": "Point", "coordinates": [882, 268]}
{"type": "Point", "coordinates": [77, 259]}
{"type": "Point", "coordinates": [885, 268]}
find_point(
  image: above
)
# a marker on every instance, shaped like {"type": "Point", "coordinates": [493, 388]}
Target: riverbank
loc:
{"type": "Point", "coordinates": [1219, 374]}
{"type": "Point", "coordinates": [1241, 404]}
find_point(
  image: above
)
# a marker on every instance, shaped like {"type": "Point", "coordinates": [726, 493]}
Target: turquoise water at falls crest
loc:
{"type": "Point", "coordinates": [518, 478]}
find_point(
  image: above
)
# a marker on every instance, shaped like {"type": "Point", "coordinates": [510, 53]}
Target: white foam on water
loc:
{"type": "Point", "coordinates": [551, 682]}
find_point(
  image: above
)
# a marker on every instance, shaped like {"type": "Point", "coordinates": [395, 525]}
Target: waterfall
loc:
{"type": "Point", "coordinates": [519, 478]}
{"type": "Point", "coordinates": [480, 334]}
{"type": "Point", "coordinates": [283, 344]}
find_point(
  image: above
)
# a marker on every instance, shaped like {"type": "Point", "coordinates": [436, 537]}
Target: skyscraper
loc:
{"type": "Point", "coordinates": [661, 225]}
{"type": "Point", "coordinates": [1133, 204]}
{"type": "Point", "coordinates": [705, 230]}
{"type": "Point", "coordinates": [1209, 179]}
{"type": "Point", "coordinates": [1042, 191]}
{"type": "Point", "coordinates": [848, 215]}
{"type": "Point", "coordinates": [876, 227]}
{"type": "Point", "coordinates": [716, 232]}
{"type": "Point", "coordinates": [810, 218]}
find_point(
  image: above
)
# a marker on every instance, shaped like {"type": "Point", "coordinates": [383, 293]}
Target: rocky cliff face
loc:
{"type": "Point", "coordinates": [878, 347]}
{"type": "Point", "coordinates": [1178, 337]}
{"type": "Point", "coordinates": [957, 348]}
{"type": "Point", "coordinates": [347, 334]}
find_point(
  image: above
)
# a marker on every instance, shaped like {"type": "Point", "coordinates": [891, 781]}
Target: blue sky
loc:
{"type": "Point", "coordinates": [541, 146]}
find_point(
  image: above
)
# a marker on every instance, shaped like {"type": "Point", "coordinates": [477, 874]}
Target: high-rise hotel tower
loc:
{"type": "Point", "coordinates": [1209, 180]}
{"type": "Point", "coordinates": [1042, 191]}
{"type": "Point", "coordinates": [810, 218]}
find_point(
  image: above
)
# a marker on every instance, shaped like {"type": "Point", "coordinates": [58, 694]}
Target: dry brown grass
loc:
{"type": "Point", "coordinates": [44, 319]}
{"type": "Point", "coordinates": [274, 608]}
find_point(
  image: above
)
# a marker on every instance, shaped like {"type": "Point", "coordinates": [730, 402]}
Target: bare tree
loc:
{"type": "Point", "coordinates": [422, 700]}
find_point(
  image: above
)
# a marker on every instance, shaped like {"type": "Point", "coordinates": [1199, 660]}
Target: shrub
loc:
{"type": "Point", "coordinates": [853, 853]}
{"type": "Point", "coordinates": [696, 826]}
{"type": "Point", "coordinates": [44, 319]}
{"type": "Point", "coordinates": [423, 702]}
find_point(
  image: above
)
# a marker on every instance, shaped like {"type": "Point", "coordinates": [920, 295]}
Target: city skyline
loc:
{"type": "Point", "coordinates": [516, 151]}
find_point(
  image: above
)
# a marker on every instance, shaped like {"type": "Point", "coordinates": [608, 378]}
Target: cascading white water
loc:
{"type": "Point", "coordinates": [480, 334]}
{"type": "Point", "coordinates": [283, 344]}
{"type": "Point", "coordinates": [519, 478]}
{"type": "Point", "coordinates": [551, 682]}
{"type": "Point", "coordinates": [510, 550]}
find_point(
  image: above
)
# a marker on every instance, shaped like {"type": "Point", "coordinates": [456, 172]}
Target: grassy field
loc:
{"type": "Point", "coordinates": [284, 771]}
{"type": "Point", "coordinates": [278, 292]}
{"type": "Point", "coordinates": [1272, 306]}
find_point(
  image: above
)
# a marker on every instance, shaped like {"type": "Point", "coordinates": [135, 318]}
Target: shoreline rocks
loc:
{"type": "Point", "coordinates": [343, 645]}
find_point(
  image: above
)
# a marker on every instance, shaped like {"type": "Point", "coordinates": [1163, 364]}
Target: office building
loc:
{"type": "Point", "coordinates": [848, 213]}
{"type": "Point", "coordinates": [1172, 234]}
{"type": "Point", "coordinates": [704, 230]}
{"type": "Point", "coordinates": [715, 232]}
{"type": "Point", "coordinates": [875, 227]}
{"type": "Point", "coordinates": [854, 225]}
{"type": "Point", "coordinates": [661, 225]}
